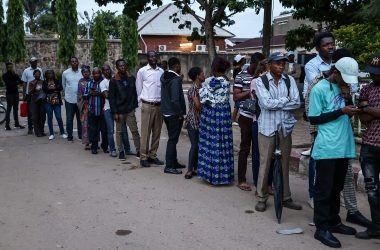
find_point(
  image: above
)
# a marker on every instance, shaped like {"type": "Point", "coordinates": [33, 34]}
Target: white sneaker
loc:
{"type": "Point", "coordinates": [51, 137]}
{"type": "Point", "coordinates": [306, 153]}
{"type": "Point", "coordinates": [311, 203]}
{"type": "Point", "coordinates": [64, 136]}
{"type": "Point", "coordinates": [235, 124]}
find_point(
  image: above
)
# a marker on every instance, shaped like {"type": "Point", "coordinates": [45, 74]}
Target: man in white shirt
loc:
{"type": "Point", "coordinates": [148, 87]}
{"type": "Point", "coordinates": [26, 78]}
{"type": "Point", "coordinates": [70, 80]}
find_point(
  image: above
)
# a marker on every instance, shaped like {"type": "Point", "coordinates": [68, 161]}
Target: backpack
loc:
{"type": "Point", "coordinates": [265, 81]}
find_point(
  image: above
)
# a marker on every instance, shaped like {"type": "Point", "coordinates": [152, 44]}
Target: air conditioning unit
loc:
{"type": "Point", "coordinates": [217, 48]}
{"type": "Point", "coordinates": [161, 48]}
{"type": "Point", "coordinates": [200, 48]}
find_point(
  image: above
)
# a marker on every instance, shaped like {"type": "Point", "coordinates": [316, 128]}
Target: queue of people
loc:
{"type": "Point", "coordinates": [100, 99]}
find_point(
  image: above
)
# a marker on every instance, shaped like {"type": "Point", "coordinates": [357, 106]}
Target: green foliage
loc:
{"type": "Point", "coordinates": [99, 47]}
{"type": "Point", "coordinates": [302, 35]}
{"type": "Point", "coordinates": [3, 34]}
{"type": "Point", "coordinates": [67, 29]}
{"type": "Point", "coordinates": [16, 49]}
{"type": "Point", "coordinates": [111, 24]}
{"type": "Point", "coordinates": [129, 41]}
{"type": "Point", "coordinates": [361, 39]}
{"type": "Point", "coordinates": [46, 24]}
{"type": "Point", "coordinates": [371, 12]}
{"type": "Point", "coordinates": [33, 9]}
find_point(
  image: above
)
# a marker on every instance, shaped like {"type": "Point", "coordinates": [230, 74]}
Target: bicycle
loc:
{"type": "Point", "coordinates": [3, 112]}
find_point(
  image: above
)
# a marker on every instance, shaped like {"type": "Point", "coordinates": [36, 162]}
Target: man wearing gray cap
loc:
{"type": "Point", "coordinates": [26, 78]}
{"type": "Point", "coordinates": [278, 96]}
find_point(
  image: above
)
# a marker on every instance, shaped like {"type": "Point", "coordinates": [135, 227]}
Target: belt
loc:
{"type": "Point", "coordinates": [151, 103]}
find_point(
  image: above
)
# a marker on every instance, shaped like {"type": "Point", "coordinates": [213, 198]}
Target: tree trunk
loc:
{"type": "Point", "coordinates": [210, 42]}
{"type": "Point", "coordinates": [267, 27]}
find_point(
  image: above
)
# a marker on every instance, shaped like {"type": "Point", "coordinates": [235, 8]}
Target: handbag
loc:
{"type": "Point", "coordinates": [41, 96]}
{"type": "Point", "coordinates": [24, 109]}
{"type": "Point", "coordinates": [249, 106]}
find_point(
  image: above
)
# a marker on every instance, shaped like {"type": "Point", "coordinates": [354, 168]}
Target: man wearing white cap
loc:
{"type": "Point", "coordinates": [292, 68]}
{"type": "Point", "coordinates": [26, 78]}
{"type": "Point", "coordinates": [333, 147]}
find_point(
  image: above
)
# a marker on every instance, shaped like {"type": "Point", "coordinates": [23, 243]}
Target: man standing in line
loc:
{"type": "Point", "coordinates": [148, 86]}
{"type": "Point", "coordinates": [123, 103]}
{"type": "Point", "coordinates": [333, 147]}
{"type": "Point", "coordinates": [369, 103]}
{"type": "Point", "coordinates": [241, 93]}
{"type": "Point", "coordinates": [292, 68]}
{"type": "Point", "coordinates": [70, 80]}
{"type": "Point", "coordinates": [316, 67]}
{"type": "Point", "coordinates": [278, 96]}
{"type": "Point", "coordinates": [26, 78]}
{"type": "Point", "coordinates": [11, 80]}
{"type": "Point", "coordinates": [173, 108]}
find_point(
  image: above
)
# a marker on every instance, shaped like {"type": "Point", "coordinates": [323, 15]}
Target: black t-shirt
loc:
{"type": "Point", "coordinates": [236, 72]}
{"type": "Point", "coordinates": [11, 83]}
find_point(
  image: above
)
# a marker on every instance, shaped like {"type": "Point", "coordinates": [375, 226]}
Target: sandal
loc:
{"type": "Point", "coordinates": [244, 186]}
{"type": "Point", "coordinates": [189, 175]}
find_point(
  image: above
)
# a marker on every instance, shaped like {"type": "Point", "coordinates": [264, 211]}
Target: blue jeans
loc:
{"type": "Point", "coordinates": [111, 130]}
{"type": "Point", "coordinates": [30, 110]}
{"type": "Point", "coordinates": [311, 177]}
{"type": "Point", "coordinates": [57, 112]}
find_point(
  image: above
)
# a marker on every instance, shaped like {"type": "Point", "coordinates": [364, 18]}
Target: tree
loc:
{"type": "Point", "coordinates": [3, 34]}
{"type": "Point", "coordinates": [34, 8]}
{"type": "Point", "coordinates": [46, 24]}
{"type": "Point", "coordinates": [129, 41]}
{"type": "Point", "coordinates": [267, 27]}
{"type": "Point", "coordinates": [111, 24]}
{"type": "Point", "coordinates": [16, 49]}
{"type": "Point", "coordinates": [67, 29]}
{"type": "Point", "coordinates": [216, 12]}
{"type": "Point", "coordinates": [99, 47]}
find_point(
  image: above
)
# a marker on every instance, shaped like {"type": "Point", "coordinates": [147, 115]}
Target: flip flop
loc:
{"type": "Point", "coordinates": [244, 187]}
{"type": "Point", "coordinates": [289, 231]}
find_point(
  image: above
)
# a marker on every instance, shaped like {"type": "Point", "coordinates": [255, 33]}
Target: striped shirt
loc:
{"type": "Point", "coordinates": [95, 103]}
{"type": "Point", "coordinates": [276, 109]}
{"type": "Point", "coordinates": [243, 82]}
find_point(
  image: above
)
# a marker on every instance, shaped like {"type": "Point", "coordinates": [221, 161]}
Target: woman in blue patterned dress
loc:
{"type": "Point", "coordinates": [216, 159]}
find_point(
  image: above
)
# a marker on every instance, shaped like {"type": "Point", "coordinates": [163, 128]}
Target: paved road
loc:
{"type": "Point", "coordinates": [56, 195]}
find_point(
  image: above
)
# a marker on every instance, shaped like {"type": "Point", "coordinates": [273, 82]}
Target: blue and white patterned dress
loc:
{"type": "Point", "coordinates": [216, 159]}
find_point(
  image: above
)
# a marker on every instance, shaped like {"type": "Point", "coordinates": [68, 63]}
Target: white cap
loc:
{"type": "Point", "coordinates": [290, 53]}
{"type": "Point", "coordinates": [237, 58]}
{"type": "Point", "coordinates": [32, 59]}
{"type": "Point", "coordinates": [349, 69]}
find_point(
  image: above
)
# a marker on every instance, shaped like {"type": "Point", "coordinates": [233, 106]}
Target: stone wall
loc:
{"type": "Point", "coordinates": [45, 49]}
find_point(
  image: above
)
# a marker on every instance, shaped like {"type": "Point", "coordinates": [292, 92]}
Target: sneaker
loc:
{"type": "Point", "coordinates": [51, 137]}
{"type": "Point", "coordinates": [261, 206]}
{"type": "Point", "coordinates": [311, 203]}
{"type": "Point", "coordinates": [235, 124]}
{"type": "Point", "coordinates": [19, 126]}
{"type": "Point", "coordinates": [306, 153]}
{"type": "Point", "coordinates": [113, 153]}
{"type": "Point", "coordinates": [64, 136]}
{"type": "Point", "coordinates": [122, 156]}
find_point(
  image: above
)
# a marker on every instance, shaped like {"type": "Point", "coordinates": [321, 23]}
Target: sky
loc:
{"type": "Point", "coordinates": [247, 24]}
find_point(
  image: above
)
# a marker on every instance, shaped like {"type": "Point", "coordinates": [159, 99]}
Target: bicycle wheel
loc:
{"type": "Point", "coordinates": [3, 112]}
{"type": "Point", "coordinates": [3, 101]}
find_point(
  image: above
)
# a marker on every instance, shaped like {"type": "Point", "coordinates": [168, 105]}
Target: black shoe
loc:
{"type": "Point", "coordinates": [106, 151]}
{"type": "Point", "coordinates": [19, 126]}
{"type": "Point", "coordinates": [172, 171]}
{"type": "Point", "coordinates": [155, 161]}
{"type": "Point", "coordinates": [178, 165]}
{"type": "Point", "coordinates": [122, 156]}
{"type": "Point", "coordinates": [343, 229]}
{"type": "Point", "coordinates": [138, 154]}
{"type": "Point", "coordinates": [327, 238]}
{"type": "Point", "coordinates": [368, 234]}
{"type": "Point", "coordinates": [358, 218]}
{"type": "Point", "coordinates": [94, 151]}
{"type": "Point", "coordinates": [291, 205]}
{"type": "Point", "coordinates": [7, 128]}
{"type": "Point", "coordinates": [130, 153]}
{"type": "Point", "coordinates": [69, 138]}
{"type": "Point", "coordinates": [30, 131]}
{"type": "Point", "coordinates": [144, 164]}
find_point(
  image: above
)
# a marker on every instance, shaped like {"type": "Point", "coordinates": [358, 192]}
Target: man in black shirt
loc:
{"type": "Point", "coordinates": [12, 80]}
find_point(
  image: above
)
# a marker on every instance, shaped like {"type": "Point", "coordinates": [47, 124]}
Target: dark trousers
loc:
{"type": "Point", "coordinates": [370, 163]}
{"type": "Point", "coordinates": [30, 111]}
{"type": "Point", "coordinates": [245, 125]}
{"type": "Point", "coordinates": [329, 182]}
{"type": "Point", "coordinates": [12, 103]}
{"type": "Point", "coordinates": [174, 125]}
{"type": "Point", "coordinates": [39, 117]}
{"type": "Point", "coordinates": [71, 111]}
{"type": "Point", "coordinates": [193, 153]}
{"type": "Point", "coordinates": [97, 125]}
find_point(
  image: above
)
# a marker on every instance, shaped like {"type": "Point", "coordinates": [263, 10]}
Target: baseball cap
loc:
{"type": "Point", "coordinates": [373, 65]}
{"type": "Point", "coordinates": [349, 69]}
{"type": "Point", "coordinates": [277, 56]}
{"type": "Point", "coordinates": [237, 58]}
{"type": "Point", "coordinates": [33, 59]}
{"type": "Point", "coordinates": [290, 53]}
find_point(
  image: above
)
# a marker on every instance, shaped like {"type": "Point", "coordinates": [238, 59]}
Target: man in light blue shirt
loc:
{"type": "Point", "coordinates": [70, 80]}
